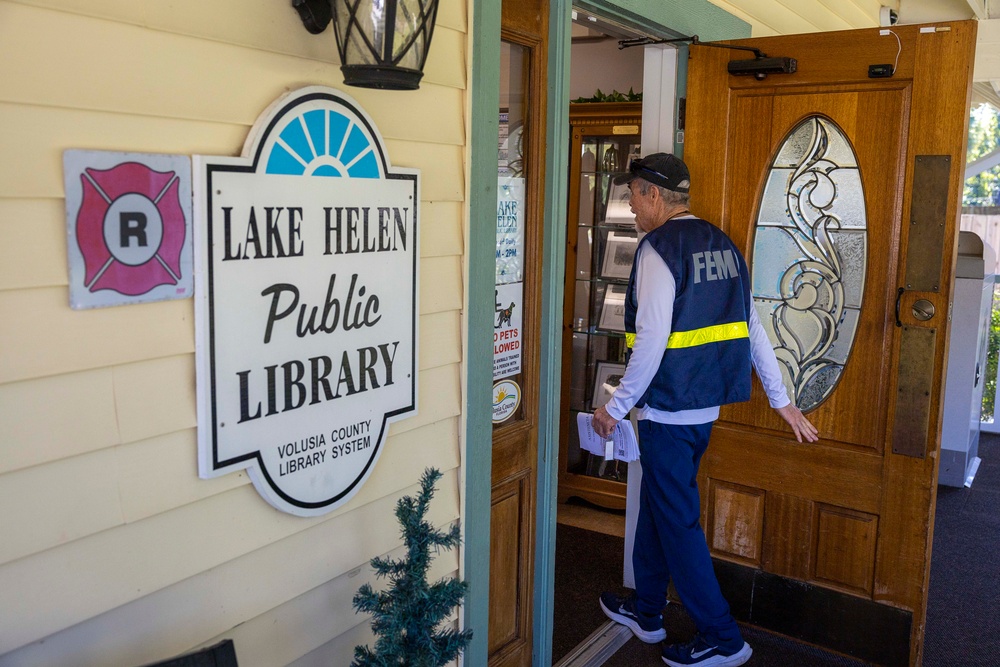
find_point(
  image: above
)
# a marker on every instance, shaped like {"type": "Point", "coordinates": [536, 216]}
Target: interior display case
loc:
{"type": "Point", "coordinates": [600, 246]}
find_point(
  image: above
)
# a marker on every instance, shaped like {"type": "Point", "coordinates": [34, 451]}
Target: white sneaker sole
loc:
{"type": "Point", "coordinates": [650, 637]}
{"type": "Point", "coordinates": [734, 660]}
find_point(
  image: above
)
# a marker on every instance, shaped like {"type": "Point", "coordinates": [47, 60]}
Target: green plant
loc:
{"type": "Point", "coordinates": [613, 96]}
{"type": "Point", "coordinates": [407, 616]}
{"type": "Point", "coordinates": [992, 354]}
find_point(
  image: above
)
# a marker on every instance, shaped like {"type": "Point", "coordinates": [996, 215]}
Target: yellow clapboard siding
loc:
{"type": "Point", "coordinates": [55, 417]}
{"type": "Point", "coordinates": [75, 497]}
{"type": "Point", "coordinates": [32, 243]}
{"type": "Point", "coordinates": [454, 14]}
{"type": "Point", "coordinates": [442, 175]}
{"type": "Point", "coordinates": [155, 397]}
{"type": "Point", "coordinates": [261, 24]}
{"type": "Point", "coordinates": [42, 336]}
{"type": "Point", "coordinates": [172, 620]}
{"type": "Point", "coordinates": [338, 651]}
{"type": "Point", "coordinates": [439, 397]}
{"type": "Point", "coordinates": [445, 64]}
{"type": "Point", "coordinates": [441, 229]}
{"type": "Point", "coordinates": [440, 284]}
{"type": "Point", "coordinates": [161, 474]}
{"type": "Point", "coordinates": [440, 339]}
{"type": "Point", "coordinates": [311, 620]}
{"type": "Point", "coordinates": [96, 416]}
{"type": "Point", "coordinates": [57, 503]}
{"type": "Point", "coordinates": [73, 583]}
{"type": "Point", "coordinates": [146, 83]}
{"type": "Point", "coordinates": [39, 135]}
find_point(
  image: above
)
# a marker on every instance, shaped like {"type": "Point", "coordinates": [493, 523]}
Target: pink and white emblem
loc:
{"type": "Point", "coordinates": [128, 220]}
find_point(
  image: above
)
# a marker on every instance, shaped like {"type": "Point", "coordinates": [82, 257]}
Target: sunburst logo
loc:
{"type": "Point", "coordinates": [506, 400]}
{"type": "Point", "coordinates": [323, 142]}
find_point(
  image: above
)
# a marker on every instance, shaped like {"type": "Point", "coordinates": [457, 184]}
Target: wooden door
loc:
{"type": "Point", "coordinates": [521, 179]}
{"type": "Point", "coordinates": [844, 193]}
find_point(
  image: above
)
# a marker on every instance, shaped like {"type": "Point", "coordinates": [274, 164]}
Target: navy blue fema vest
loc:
{"type": "Point", "coordinates": [707, 360]}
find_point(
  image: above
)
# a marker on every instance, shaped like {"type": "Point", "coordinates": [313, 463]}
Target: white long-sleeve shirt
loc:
{"type": "Point", "coordinates": [655, 288]}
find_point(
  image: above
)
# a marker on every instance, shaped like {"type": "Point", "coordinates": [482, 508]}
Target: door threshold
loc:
{"type": "Point", "coordinates": [603, 643]}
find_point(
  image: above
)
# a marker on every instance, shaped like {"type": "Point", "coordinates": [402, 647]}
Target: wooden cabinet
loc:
{"type": "Point", "coordinates": [600, 245]}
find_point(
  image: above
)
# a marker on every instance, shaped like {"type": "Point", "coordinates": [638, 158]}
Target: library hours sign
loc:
{"type": "Point", "coordinates": [306, 302]}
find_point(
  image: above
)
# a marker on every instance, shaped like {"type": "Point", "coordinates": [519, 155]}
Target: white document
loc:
{"type": "Point", "coordinates": [622, 445]}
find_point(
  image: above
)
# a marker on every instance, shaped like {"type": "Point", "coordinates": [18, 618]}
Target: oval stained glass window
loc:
{"type": "Point", "coordinates": [810, 258]}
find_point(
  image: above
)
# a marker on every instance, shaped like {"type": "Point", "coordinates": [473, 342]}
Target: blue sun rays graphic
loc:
{"type": "Point", "coordinates": [323, 142]}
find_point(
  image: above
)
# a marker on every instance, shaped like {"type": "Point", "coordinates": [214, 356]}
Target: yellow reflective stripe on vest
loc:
{"type": "Point", "coordinates": [695, 337]}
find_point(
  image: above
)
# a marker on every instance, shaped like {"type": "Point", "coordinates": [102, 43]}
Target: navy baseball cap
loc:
{"type": "Point", "coordinates": [663, 169]}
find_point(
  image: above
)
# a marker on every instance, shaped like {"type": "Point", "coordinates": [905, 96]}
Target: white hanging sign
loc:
{"type": "Point", "coordinates": [306, 302]}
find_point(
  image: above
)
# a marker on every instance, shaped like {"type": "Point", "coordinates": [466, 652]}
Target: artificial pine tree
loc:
{"type": "Point", "coordinates": [407, 615]}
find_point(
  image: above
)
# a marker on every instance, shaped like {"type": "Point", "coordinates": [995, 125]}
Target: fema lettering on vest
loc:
{"type": "Point", "coordinates": [714, 265]}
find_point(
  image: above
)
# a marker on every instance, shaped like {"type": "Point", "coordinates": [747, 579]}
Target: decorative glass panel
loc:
{"type": "Point", "coordinates": [810, 258]}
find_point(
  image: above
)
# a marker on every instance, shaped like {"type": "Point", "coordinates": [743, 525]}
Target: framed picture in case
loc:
{"type": "Point", "coordinates": [618, 211]}
{"type": "Point", "coordinates": [606, 379]}
{"type": "Point", "coordinates": [619, 252]}
{"type": "Point", "coordinates": [613, 309]}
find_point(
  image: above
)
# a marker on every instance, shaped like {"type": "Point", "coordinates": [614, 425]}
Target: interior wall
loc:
{"type": "Point", "coordinates": [601, 65]}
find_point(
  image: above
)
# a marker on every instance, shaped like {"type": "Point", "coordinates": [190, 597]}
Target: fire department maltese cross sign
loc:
{"type": "Point", "coordinates": [128, 220]}
{"type": "Point", "coordinates": [306, 256]}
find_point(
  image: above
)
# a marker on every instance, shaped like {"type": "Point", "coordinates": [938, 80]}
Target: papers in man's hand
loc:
{"type": "Point", "coordinates": [622, 445]}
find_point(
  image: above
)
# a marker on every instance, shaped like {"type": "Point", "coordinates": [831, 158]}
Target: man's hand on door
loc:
{"type": "Point", "coordinates": [802, 427]}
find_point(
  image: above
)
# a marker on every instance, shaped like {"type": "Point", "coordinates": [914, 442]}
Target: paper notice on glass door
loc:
{"type": "Point", "coordinates": [510, 230]}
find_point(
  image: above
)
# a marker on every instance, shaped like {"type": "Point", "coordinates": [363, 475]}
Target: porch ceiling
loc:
{"type": "Point", "coordinates": [785, 17]}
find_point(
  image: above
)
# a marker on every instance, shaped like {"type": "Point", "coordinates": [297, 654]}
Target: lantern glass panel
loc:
{"type": "Point", "coordinates": [357, 51]}
{"type": "Point", "coordinates": [409, 20]}
{"type": "Point", "coordinates": [383, 43]}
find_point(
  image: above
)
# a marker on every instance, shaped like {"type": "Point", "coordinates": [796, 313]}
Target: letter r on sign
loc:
{"type": "Point", "coordinates": [132, 223]}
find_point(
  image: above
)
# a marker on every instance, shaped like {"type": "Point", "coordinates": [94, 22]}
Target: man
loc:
{"type": "Point", "coordinates": [693, 333]}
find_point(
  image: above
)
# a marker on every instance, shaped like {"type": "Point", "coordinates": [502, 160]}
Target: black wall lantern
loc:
{"type": "Point", "coordinates": [382, 43]}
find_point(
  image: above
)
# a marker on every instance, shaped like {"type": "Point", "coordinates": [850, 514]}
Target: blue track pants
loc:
{"type": "Point", "coordinates": [669, 540]}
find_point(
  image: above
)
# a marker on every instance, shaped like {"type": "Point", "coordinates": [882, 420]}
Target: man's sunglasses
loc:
{"type": "Point", "coordinates": [634, 167]}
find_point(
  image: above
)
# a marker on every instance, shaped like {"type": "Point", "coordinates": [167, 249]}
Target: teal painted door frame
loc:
{"type": "Point", "coordinates": [655, 17]}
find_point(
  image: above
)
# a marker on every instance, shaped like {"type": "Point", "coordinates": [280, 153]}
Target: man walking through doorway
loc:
{"type": "Point", "coordinates": [692, 334]}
